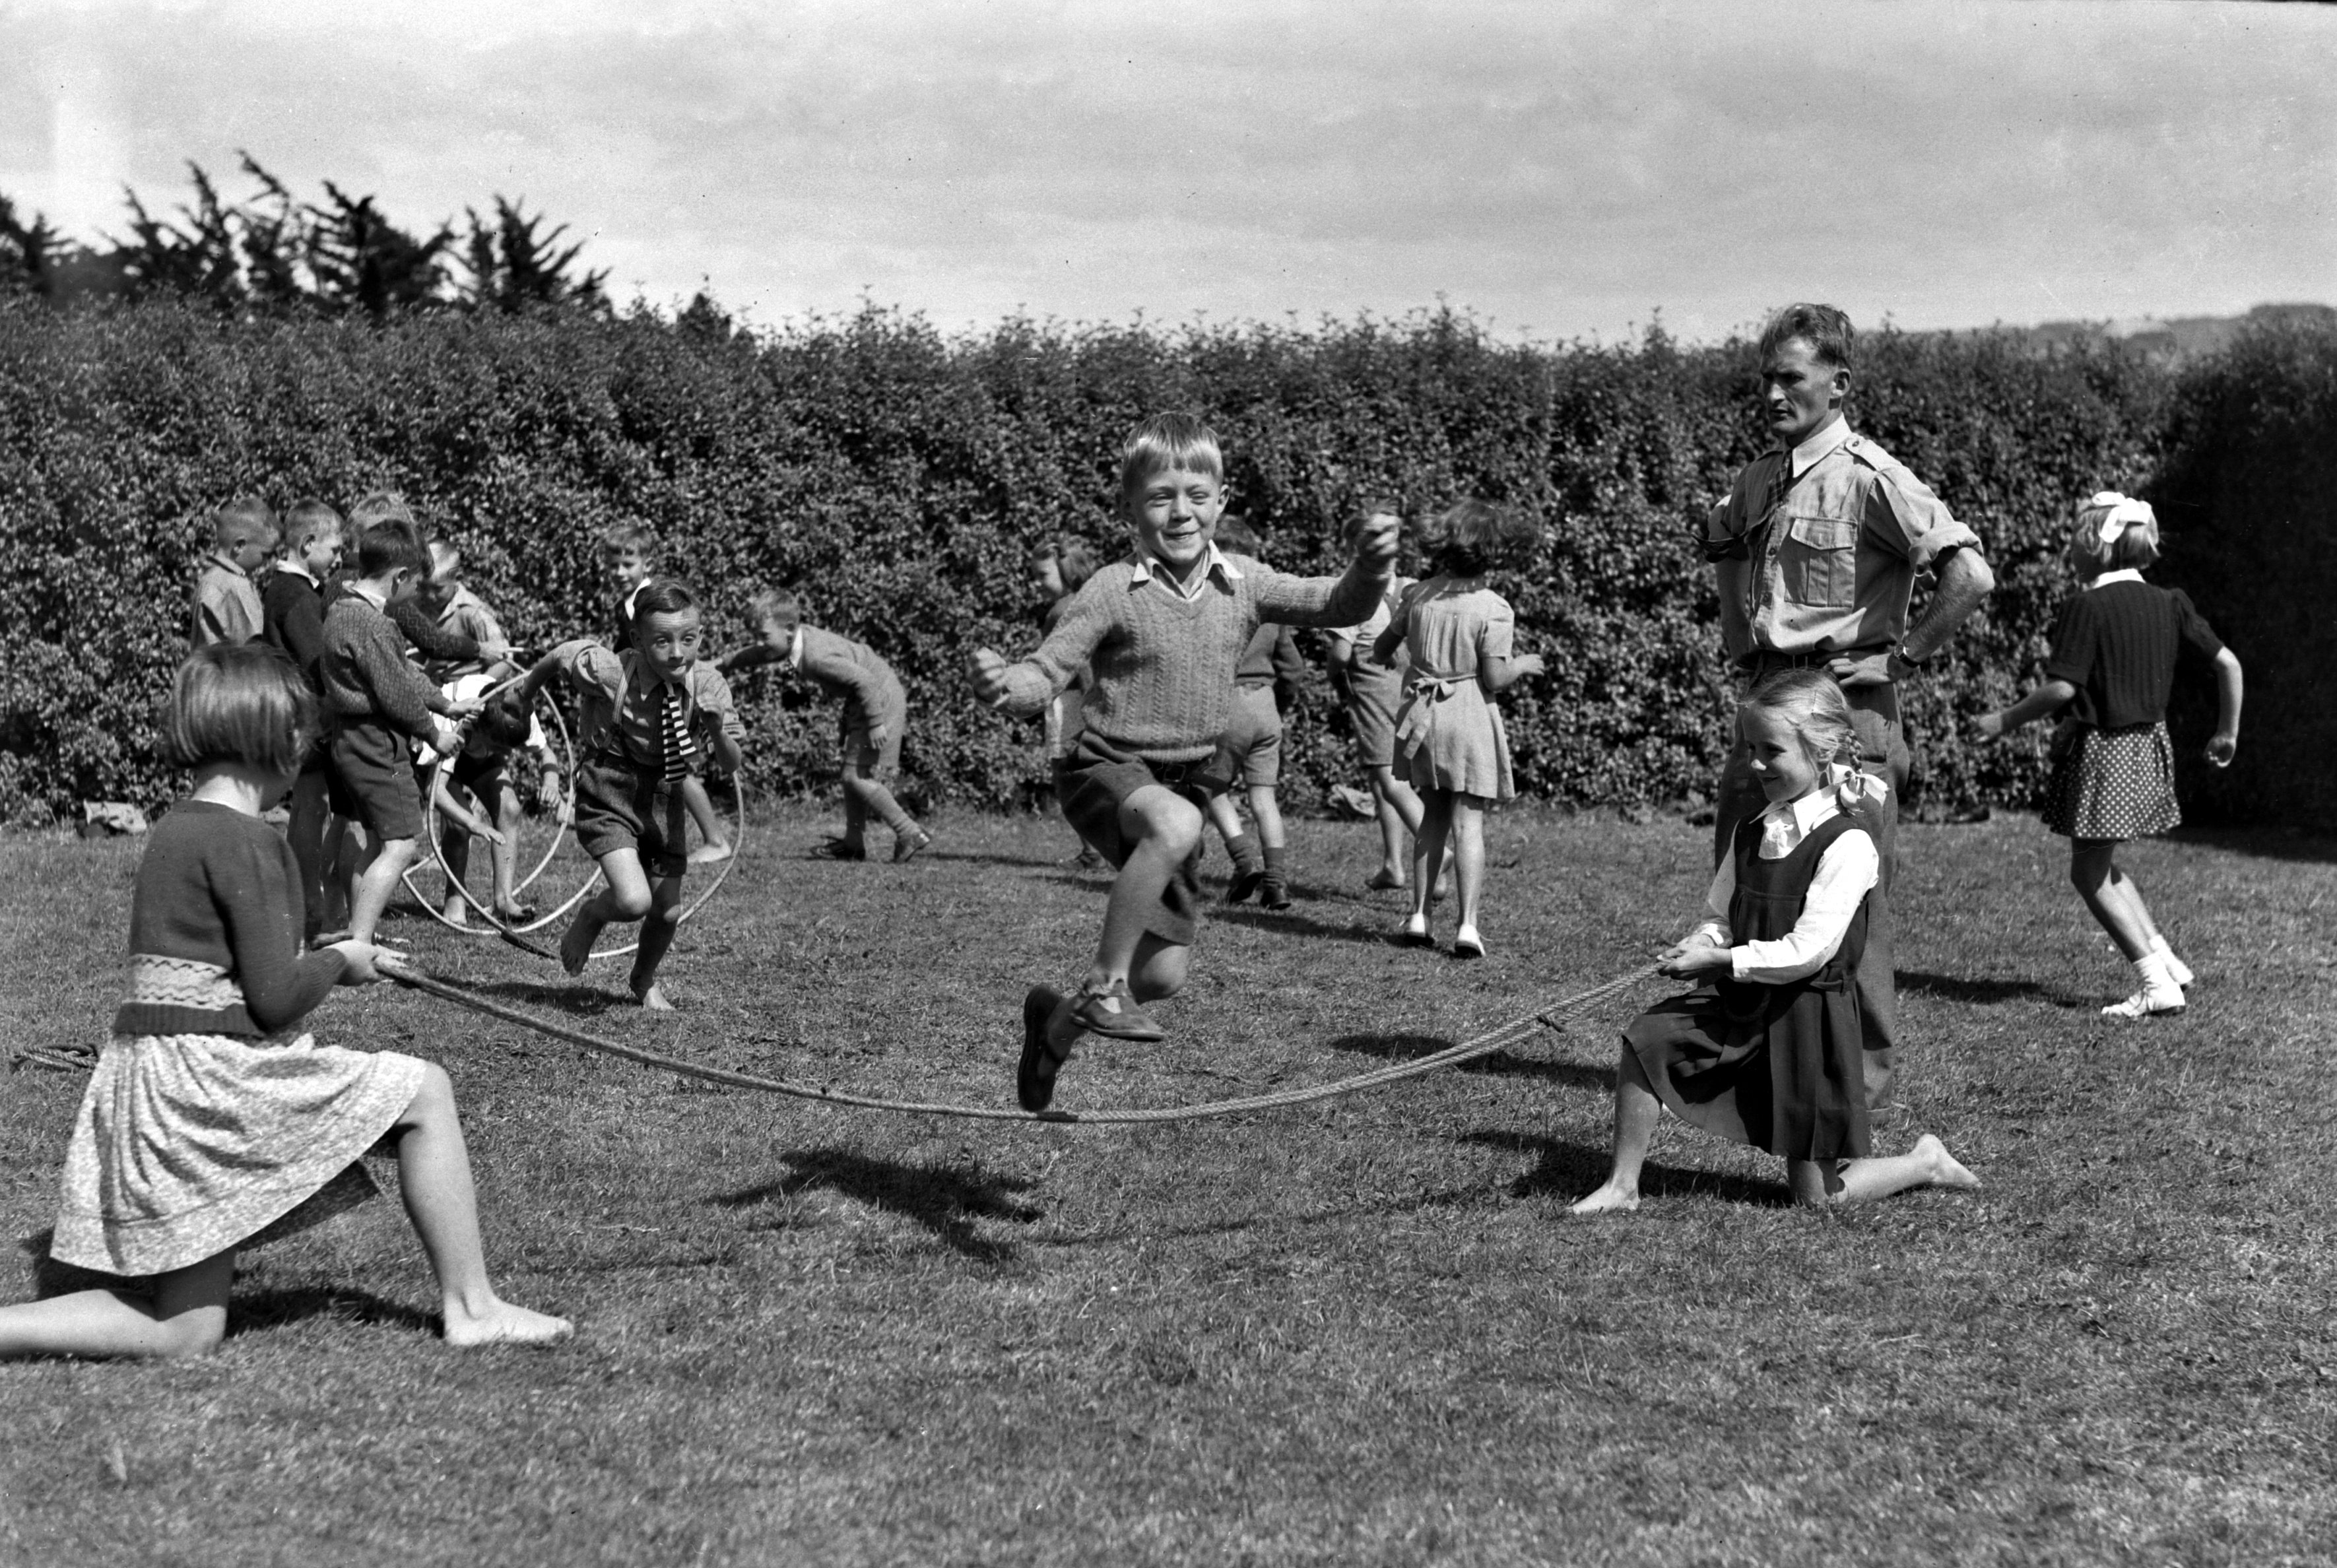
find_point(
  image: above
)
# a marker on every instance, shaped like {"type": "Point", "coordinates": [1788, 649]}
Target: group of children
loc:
{"type": "Point", "coordinates": [206, 1128]}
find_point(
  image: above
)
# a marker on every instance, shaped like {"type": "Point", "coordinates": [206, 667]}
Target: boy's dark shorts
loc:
{"type": "Point", "coordinates": [1092, 781]}
{"type": "Point", "coordinates": [369, 780]}
{"type": "Point", "coordinates": [621, 805]}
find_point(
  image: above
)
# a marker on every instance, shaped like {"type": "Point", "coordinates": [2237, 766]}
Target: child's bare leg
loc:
{"type": "Point", "coordinates": [455, 845]}
{"type": "Point", "coordinates": [1428, 853]}
{"type": "Point", "coordinates": [626, 897]}
{"type": "Point", "coordinates": [185, 1316]}
{"type": "Point", "coordinates": [1468, 854]}
{"type": "Point", "coordinates": [1636, 1110]}
{"type": "Point", "coordinates": [1398, 793]}
{"type": "Point", "coordinates": [1164, 827]}
{"type": "Point", "coordinates": [506, 854]}
{"type": "Point", "coordinates": [375, 888]}
{"type": "Point", "coordinates": [1817, 1182]}
{"type": "Point", "coordinates": [2123, 887]}
{"type": "Point", "coordinates": [1157, 970]}
{"type": "Point", "coordinates": [1226, 818]}
{"type": "Point", "coordinates": [2092, 867]}
{"type": "Point", "coordinates": [855, 813]}
{"type": "Point", "coordinates": [712, 828]}
{"type": "Point", "coordinates": [434, 1177]}
{"type": "Point", "coordinates": [1267, 812]}
{"type": "Point", "coordinates": [658, 928]}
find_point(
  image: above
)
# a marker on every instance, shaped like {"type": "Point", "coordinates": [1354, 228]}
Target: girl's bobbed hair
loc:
{"type": "Point", "coordinates": [1476, 536]}
{"type": "Point", "coordinates": [241, 702]}
{"type": "Point", "coordinates": [661, 596]}
{"type": "Point", "coordinates": [1813, 705]}
{"type": "Point", "coordinates": [2114, 533]}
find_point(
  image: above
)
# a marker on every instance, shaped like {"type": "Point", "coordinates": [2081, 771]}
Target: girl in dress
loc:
{"type": "Point", "coordinates": [1371, 692]}
{"type": "Point", "coordinates": [1767, 1050]}
{"type": "Point", "coordinates": [206, 1127]}
{"type": "Point", "coordinates": [1449, 738]}
{"type": "Point", "coordinates": [2112, 668]}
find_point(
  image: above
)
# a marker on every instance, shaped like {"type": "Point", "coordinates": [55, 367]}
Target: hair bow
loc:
{"type": "Point", "coordinates": [2125, 512]}
{"type": "Point", "coordinates": [1854, 788]}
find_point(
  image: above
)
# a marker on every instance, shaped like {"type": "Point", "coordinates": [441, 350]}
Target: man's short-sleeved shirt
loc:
{"type": "Point", "coordinates": [1831, 565]}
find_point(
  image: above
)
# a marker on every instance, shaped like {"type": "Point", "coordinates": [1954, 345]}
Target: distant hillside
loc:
{"type": "Point", "coordinates": [2178, 338]}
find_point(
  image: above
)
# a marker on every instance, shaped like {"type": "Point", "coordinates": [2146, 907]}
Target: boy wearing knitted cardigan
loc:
{"type": "Point", "coordinates": [1162, 631]}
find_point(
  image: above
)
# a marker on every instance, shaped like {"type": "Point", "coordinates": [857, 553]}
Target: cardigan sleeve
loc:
{"type": "Point", "coordinates": [1085, 621]}
{"type": "Point", "coordinates": [1341, 601]}
{"type": "Point", "coordinates": [254, 887]}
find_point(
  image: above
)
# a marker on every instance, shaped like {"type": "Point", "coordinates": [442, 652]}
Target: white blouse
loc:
{"type": "Point", "coordinates": [1850, 867]}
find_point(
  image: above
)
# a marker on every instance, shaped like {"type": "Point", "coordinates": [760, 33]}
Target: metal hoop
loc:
{"type": "Point", "coordinates": [431, 829]}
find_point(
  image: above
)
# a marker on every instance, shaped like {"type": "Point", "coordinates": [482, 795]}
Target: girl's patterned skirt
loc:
{"type": "Point", "coordinates": [189, 1144]}
{"type": "Point", "coordinates": [2112, 783]}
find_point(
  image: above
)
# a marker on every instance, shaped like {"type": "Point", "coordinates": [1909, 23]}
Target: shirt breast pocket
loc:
{"type": "Point", "coordinates": [1820, 560]}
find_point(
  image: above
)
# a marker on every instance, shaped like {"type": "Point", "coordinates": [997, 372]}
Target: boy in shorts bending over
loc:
{"type": "Point", "coordinates": [1162, 631]}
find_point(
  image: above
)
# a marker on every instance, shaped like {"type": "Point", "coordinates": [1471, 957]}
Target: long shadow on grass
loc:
{"type": "Point", "coordinates": [944, 1201]}
{"type": "Point", "coordinates": [1565, 1169]}
{"type": "Point", "coordinates": [2264, 843]}
{"type": "Point", "coordinates": [1985, 992]}
{"type": "Point", "coordinates": [1300, 925]}
{"type": "Point", "coordinates": [1500, 1065]}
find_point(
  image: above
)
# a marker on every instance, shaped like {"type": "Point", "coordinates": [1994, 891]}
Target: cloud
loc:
{"type": "Point", "coordinates": [1566, 167]}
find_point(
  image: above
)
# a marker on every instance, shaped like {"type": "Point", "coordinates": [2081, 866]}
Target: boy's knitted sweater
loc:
{"type": "Point", "coordinates": [1163, 665]}
{"type": "Point", "coordinates": [367, 674]}
{"type": "Point", "coordinates": [215, 930]}
{"type": "Point", "coordinates": [843, 668]}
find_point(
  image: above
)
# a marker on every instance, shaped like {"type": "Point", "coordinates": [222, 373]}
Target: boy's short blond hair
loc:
{"type": "Point", "coordinates": [381, 507]}
{"type": "Point", "coordinates": [242, 520]}
{"type": "Point", "coordinates": [310, 519]}
{"type": "Point", "coordinates": [1160, 442]}
{"type": "Point", "coordinates": [444, 559]}
{"type": "Point", "coordinates": [774, 604]}
{"type": "Point", "coordinates": [632, 534]}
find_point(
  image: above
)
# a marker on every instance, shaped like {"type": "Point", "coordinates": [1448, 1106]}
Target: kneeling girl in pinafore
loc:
{"type": "Point", "coordinates": [1767, 1050]}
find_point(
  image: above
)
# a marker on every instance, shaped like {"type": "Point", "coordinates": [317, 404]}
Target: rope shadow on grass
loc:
{"type": "Point", "coordinates": [1569, 1171]}
{"type": "Point", "coordinates": [946, 1202]}
{"type": "Point", "coordinates": [1500, 1065]}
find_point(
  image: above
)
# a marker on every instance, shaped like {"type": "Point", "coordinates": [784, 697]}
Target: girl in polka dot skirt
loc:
{"type": "Point", "coordinates": [2111, 670]}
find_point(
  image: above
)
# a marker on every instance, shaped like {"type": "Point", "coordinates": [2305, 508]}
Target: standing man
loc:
{"type": "Point", "coordinates": [1817, 548]}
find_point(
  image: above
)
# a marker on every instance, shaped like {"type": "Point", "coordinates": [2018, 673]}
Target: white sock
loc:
{"type": "Point", "coordinates": [2158, 978]}
{"type": "Point", "coordinates": [2175, 964]}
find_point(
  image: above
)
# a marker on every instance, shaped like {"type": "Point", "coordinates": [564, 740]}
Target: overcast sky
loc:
{"type": "Point", "coordinates": [1566, 170]}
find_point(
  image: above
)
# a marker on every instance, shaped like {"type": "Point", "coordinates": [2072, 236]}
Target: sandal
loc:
{"type": "Point", "coordinates": [1115, 1015]}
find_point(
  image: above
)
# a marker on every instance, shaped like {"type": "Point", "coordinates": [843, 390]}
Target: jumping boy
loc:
{"type": "Point", "coordinates": [379, 703]}
{"type": "Point", "coordinates": [876, 712]}
{"type": "Point", "coordinates": [1162, 631]}
{"type": "Point", "coordinates": [629, 555]}
{"type": "Point", "coordinates": [226, 600]}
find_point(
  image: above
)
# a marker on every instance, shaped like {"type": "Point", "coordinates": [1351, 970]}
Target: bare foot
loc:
{"type": "Point", "coordinates": [576, 947]}
{"type": "Point", "coordinates": [458, 913]}
{"type": "Point", "coordinates": [652, 997]}
{"type": "Point", "coordinates": [1946, 1170]}
{"type": "Point", "coordinates": [504, 1324]}
{"type": "Point", "coordinates": [710, 854]}
{"type": "Point", "coordinates": [1609, 1200]}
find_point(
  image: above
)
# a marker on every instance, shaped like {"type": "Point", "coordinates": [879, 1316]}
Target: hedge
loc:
{"type": "Point", "coordinates": [899, 476]}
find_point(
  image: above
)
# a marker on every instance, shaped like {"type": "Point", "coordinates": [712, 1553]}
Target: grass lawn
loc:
{"type": "Point", "coordinates": [1363, 1332]}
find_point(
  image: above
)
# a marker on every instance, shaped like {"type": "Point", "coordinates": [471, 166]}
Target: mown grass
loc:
{"type": "Point", "coordinates": [1361, 1332]}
